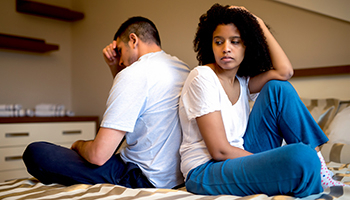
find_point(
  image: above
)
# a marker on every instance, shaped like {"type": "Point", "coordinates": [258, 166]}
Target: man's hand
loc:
{"type": "Point", "coordinates": [112, 58]}
{"type": "Point", "coordinates": [99, 150]}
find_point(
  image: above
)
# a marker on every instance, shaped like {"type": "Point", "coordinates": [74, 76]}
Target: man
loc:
{"type": "Point", "coordinates": [142, 106]}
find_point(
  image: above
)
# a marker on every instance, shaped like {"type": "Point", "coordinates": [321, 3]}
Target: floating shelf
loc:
{"type": "Point", "coordinates": [25, 44]}
{"type": "Point", "coordinates": [322, 71]}
{"type": "Point", "coordinates": [45, 10]}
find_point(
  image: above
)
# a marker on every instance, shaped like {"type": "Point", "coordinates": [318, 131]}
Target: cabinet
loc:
{"type": "Point", "coordinates": [17, 133]}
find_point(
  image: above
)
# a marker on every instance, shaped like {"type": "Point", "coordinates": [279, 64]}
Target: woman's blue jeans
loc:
{"type": "Point", "coordinates": [293, 169]}
{"type": "Point", "coordinates": [50, 163]}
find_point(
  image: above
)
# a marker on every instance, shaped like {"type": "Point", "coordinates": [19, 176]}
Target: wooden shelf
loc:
{"type": "Point", "coordinates": [45, 10]}
{"type": "Point", "coordinates": [25, 44]}
{"type": "Point", "coordinates": [322, 71]}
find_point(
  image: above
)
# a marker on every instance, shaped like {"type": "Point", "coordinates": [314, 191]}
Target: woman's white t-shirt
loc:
{"type": "Point", "coordinates": [203, 94]}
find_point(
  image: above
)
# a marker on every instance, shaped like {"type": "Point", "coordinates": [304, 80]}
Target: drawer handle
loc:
{"type": "Point", "coordinates": [13, 158]}
{"type": "Point", "coordinates": [71, 132]}
{"type": "Point", "coordinates": [16, 134]}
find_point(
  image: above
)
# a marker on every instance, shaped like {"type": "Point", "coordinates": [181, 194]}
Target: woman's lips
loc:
{"type": "Point", "coordinates": [226, 58]}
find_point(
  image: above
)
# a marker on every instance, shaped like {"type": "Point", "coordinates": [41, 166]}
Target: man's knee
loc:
{"type": "Point", "coordinates": [33, 150]}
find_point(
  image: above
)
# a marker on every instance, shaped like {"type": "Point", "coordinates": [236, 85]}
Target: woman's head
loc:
{"type": "Point", "coordinates": [257, 57]}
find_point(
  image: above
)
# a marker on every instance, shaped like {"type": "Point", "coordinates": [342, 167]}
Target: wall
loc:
{"type": "Point", "coordinates": [77, 76]}
{"type": "Point", "coordinates": [339, 10]}
{"type": "Point", "coordinates": [309, 39]}
{"type": "Point", "coordinates": [32, 78]}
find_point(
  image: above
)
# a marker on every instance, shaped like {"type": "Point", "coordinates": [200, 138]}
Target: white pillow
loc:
{"type": "Point", "coordinates": [339, 129]}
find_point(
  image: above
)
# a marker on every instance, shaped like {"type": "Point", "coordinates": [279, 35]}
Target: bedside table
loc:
{"type": "Point", "coordinates": [17, 132]}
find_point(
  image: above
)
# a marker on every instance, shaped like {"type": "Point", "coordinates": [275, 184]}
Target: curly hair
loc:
{"type": "Point", "coordinates": [257, 57]}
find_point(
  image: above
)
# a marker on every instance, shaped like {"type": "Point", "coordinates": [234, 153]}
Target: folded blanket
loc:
{"type": "Point", "coordinates": [10, 107]}
{"type": "Point", "coordinates": [49, 113]}
{"type": "Point", "coordinates": [12, 113]}
{"type": "Point", "coordinates": [49, 107]}
{"type": "Point", "coordinates": [50, 110]}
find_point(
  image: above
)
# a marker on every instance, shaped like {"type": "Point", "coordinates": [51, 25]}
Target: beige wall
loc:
{"type": "Point", "coordinates": [77, 76]}
{"type": "Point", "coordinates": [31, 78]}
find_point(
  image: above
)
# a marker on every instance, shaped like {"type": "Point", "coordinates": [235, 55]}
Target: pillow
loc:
{"type": "Point", "coordinates": [336, 152]}
{"type": "Point", "coordinates": [339, 129]}
{"type": "Point", "coordinates": [322, 110]}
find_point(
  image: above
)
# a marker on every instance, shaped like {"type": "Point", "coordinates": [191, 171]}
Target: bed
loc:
{"type": "Point", "coordinates": [331, 114]}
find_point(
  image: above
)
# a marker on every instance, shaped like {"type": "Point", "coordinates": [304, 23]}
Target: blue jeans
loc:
{"type": "Point", "coordinates": [293, 169]}
{"type": "Point", "coordinates": [50, 163]}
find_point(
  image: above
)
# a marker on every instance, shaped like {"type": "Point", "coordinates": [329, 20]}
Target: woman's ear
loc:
{"type": "Point", "coordinates": [133, 40]}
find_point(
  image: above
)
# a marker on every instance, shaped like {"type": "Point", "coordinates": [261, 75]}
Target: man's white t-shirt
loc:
{"type": "Point", "coordinates": [203, 94]}
{"type": "Point", "coordinates": [143, 101]}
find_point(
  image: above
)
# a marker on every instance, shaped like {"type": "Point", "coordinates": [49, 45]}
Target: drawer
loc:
{"type": "Point", "coordinates": [14, 174]}
{"type": "Point", "coordinates": [11, 157]}
{"type": "Point", "coordinates": [58, 132]}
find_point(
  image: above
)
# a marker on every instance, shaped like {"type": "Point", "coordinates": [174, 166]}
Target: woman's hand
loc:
{"type": "Point", "coordinates": [282, 68]}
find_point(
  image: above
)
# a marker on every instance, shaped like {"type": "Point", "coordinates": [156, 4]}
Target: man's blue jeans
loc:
{"type": "Point", "coordinates": [50, 163]}
{"type": "Point", "coordinates": [293, 169]}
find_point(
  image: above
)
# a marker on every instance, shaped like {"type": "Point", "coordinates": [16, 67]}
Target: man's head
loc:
{"type": "Point", "coordinates": [142, 27]}
{"type": "Point", "coordinates": [130, 34]}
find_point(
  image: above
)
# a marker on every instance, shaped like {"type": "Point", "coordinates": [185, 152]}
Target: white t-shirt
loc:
{"type": "Point", "coordinates": [143, 101]}
{"type": "Point", "coordinates": [203, 94]}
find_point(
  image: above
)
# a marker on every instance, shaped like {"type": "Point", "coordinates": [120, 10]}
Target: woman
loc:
{"type": "Point", "coordinates": [225, 148]}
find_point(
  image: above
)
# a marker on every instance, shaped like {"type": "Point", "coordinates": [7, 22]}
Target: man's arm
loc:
{"type": "Point", "coordinates": [112, 59]}
{"type": "Point", "coordinates": [99, 150]}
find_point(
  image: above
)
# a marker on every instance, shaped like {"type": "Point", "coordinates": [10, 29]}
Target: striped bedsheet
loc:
{"type": "Point", "coordinates": [33, 189]}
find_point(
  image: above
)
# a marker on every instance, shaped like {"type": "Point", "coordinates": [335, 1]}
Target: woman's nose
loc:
{"type": "Point", "coordinates": [226, 48]}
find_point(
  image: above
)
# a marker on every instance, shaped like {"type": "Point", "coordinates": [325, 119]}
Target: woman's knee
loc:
{"type": "Point", "coordinates": [278, 84]}
{"type": "Point", "coordinates": [304, 158]}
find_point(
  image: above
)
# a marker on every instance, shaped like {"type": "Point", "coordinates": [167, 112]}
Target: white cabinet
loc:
{"type": "Point", "coordinates": [17, 133]}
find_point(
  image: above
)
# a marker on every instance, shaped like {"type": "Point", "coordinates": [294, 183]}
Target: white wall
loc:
{"type": "Point", "coordinates": [77, 76]}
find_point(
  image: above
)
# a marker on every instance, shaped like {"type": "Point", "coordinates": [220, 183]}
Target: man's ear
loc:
{"type": "Point", "coordinates": [133, 40]}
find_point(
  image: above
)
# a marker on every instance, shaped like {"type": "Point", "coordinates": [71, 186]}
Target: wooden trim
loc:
{"type": "Point", "coordinates": [25, 44]}
{"type": "Point", "coordinates": [45, 10]}
{"type": "Point", "coordinates": [322, 71]}
{"type": "Point", "coordinates": [12, 120]}
{"type": "Point", "coordinates": [47, 119]}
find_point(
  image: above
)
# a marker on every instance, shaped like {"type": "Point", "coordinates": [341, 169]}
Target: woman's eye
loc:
{"type": "Point", "coordinates": [218, 42]}
{"type": "Point", "coordinates": [235, 41]}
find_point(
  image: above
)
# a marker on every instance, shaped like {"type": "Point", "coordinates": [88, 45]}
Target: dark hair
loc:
{"type": "Point", "coordinates": [257, 57]}
{"type": "Point", "coordinates": [142, 27]}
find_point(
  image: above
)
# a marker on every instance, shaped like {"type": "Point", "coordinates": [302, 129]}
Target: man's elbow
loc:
{"type": "Point", "coordinates": [97, 160]}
